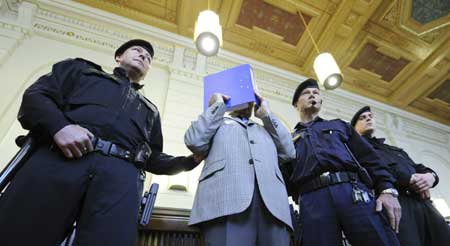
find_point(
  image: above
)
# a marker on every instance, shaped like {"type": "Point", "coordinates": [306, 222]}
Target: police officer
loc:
{"type": "Point", "coordinates": [330, 180]}
{"type": "Point", "coordinates": [421, 223]}
{"type": "Point", "coordinates": [96, 134]}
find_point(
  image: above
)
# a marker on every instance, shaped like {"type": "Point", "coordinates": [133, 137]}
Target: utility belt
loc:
{"type": "Point", "coordinates": [138, 157]}
{"type": "Point", "coordinates": [328, 179]}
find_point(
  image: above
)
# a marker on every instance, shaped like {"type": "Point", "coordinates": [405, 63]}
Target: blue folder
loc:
{"type": "Point", "coordinates": [237, 82]}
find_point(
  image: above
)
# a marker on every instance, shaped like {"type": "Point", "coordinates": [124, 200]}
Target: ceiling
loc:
{"type": "Point", "coordinates": [396, 52]}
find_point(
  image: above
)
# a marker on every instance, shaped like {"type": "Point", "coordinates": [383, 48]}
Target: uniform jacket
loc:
{"type": "Point", "coordinates": [399, 162]}
{"type": "Point", "coordinates": [320, 148]}
{"type": "Point", "coordinates": [237, 153]}
{"type": "Point", "coordinates": [78, 91]}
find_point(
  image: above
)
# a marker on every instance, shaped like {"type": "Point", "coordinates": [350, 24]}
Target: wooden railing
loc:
{"type": "Point", "coordinates": [169, 227]}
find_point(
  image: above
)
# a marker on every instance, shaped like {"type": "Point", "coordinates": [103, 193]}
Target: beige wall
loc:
{"type": "Point", "coordinates": [34, 36]}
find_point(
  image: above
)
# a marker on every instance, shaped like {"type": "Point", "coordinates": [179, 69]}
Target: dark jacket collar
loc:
{"type": "Point", "coordinates": [301, 125]}
{"type": "Point", "coordinates": [122, 74]}
{"type": "Point", "coordinates": [374, 139]}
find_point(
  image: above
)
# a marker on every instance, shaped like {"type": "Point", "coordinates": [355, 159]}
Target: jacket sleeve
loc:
{"type": "Point", "coordinates": [162, 163]}
{"type": "Point", "coordinates": [281, 137]}
{"type": "Point", "coordinates": [419, 168]}
{"type": "Point", "coordinates": [368, 158]}
{"type": "Point", "coordinates": [199, 135]}
{"type": "Point", "coordinates": [43, 102]}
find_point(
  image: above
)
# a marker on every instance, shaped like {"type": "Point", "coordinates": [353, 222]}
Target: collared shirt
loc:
{"type": "Point", "coordinates": [320, 148]}
{"type": "Point", "coordinates": [108, 105]}
{"type": "Point", "coordinates": [399, 162]}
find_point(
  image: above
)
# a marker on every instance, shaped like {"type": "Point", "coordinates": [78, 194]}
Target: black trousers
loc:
{"type": "Point", "coordinates": [421, 224]}
{"type": "Point", "coordinates": [326, 212]}
{"type": "Point", "coordinates": [50, 192]}
{"type": "Point", "coordinates": [255, 226]}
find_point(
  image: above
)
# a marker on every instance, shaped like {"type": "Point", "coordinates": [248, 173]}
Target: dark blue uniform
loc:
{"type": "Point", "coordinates": [326, 211]}
{"type": "Point", "coordinates": [102, 193]}
{"type": "Point", "coordinates": [421, 224]}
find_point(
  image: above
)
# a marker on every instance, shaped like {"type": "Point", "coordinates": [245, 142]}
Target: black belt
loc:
{"type": "Point", "coordinates": [110, 149]}
{"type": "Point", "coordinates": [327, 179]}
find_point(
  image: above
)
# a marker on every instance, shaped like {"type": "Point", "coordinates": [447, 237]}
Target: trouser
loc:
{"type": "Point", "coordinates": [326, 212]}
{"type": "Point", "coordinates": [255, 226]}
{"type": "Point", "coordinates": [421, 224]}
{"type": "Point", "coordinates": [50, 192]}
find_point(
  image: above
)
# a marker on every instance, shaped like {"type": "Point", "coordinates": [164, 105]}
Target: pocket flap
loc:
{"type": "Point", "coordinates": [211, 168]}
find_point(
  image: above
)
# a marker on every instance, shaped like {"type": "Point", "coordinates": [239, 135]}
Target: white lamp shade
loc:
{"type": "Point", "coordinates": [208, 33]}
{"type": "Point", "coordinates": [327, 71]}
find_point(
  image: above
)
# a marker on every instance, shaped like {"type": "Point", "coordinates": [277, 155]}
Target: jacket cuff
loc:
{"type": "Point", "coordinates": [383, 186]}
{"type": "Point", "coordinates": [55, 124]}
{"type": "Point", "coordinates": [436, 179]}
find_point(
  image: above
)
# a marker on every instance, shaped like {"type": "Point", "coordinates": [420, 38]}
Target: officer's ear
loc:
{"type": "Point", "coordinates": [117, 58]}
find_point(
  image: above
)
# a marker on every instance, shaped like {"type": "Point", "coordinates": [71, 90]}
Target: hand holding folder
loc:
{"type": "Point", "coordinates": [237, 83]}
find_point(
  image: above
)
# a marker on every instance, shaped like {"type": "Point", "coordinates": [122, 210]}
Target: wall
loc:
{"type": "Point", "coordinates": [36, 34]}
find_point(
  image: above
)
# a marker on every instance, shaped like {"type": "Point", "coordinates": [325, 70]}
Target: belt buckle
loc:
{"type": "Point", "coordinates": [103, 146]}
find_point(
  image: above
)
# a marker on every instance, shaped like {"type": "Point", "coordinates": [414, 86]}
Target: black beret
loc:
{"type": "Point", "coordinates": [356, 116]}
{"type": "Point", "coordinates": [309, 83]}
{"type": "Point", "coordinates": [135, 42]}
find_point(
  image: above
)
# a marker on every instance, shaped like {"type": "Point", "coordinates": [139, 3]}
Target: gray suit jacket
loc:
{"type": "Point", "coordinates": [237, 153]}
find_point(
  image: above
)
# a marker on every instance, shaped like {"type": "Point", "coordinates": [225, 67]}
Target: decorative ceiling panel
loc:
{"type": "Point", "coordinates": [442, 93]}
{"type": "Point", "coordinates": [425, 11]}
{"type": "Point", "coordinates": [396, 52]}
{"type": "Point", "coordinates": [272, 19]}
{"type": "Point", "coordinates": [374, 61]}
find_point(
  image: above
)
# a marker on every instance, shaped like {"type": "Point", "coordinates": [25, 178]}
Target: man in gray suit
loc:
{"type": "Point", "coordinates": [241, 197]}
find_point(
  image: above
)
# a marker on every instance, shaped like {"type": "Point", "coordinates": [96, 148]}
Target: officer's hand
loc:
{"type": "Point", "coordinates": [74, 141]}
{"type": "Point", "coordinates": [425, 195]}
{"type": "Point", "coordinates": [198, 158]}
{"type": "Point", "coordinates": [393, 209]}
{"type": "Point", "coordinates": [263, 109]}
{"type": "Point", "coordinates": [420, 182]}
{"type": "Point", "coordinates": [217, 97]}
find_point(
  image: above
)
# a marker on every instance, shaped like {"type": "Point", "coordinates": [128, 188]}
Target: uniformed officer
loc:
{"type": "Point", "coordinates": [421, 223]}
{"type": "Point", "coordinates": [333, 169]}
{"type": "Point", "coordinates": [96, 134]}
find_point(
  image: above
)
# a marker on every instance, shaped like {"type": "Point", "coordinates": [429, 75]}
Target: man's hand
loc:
{"type": "Point", "coordinates": [217, 97]}
{"type": "Point", "coordinates": [421, 182]}
{"type": "Point", "coordinates": [393, 209]}
{"type": "Point", "coordinates": [198, 158]}
{"type": "Point", "coordinates": [74, 141]}
{"type": "Point", "coordinates": [263, 109]}
{"type": "Point", "coordinates": [425, 195]}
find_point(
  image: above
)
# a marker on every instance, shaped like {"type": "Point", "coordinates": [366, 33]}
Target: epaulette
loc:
{"type": "Point", "coordinates": [339, 120]}
{"type": "Point", "coordinates": [93, 68]}
{"type": "Point", "coordinates": [148, 103]}
{"type": "Point", "coordinates": [90, 64]}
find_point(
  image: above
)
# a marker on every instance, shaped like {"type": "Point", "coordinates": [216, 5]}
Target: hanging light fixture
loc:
{"type": "Point", "coordinates": [208, 33]}
{"type": "Point", "coordinates": [325, 67]}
